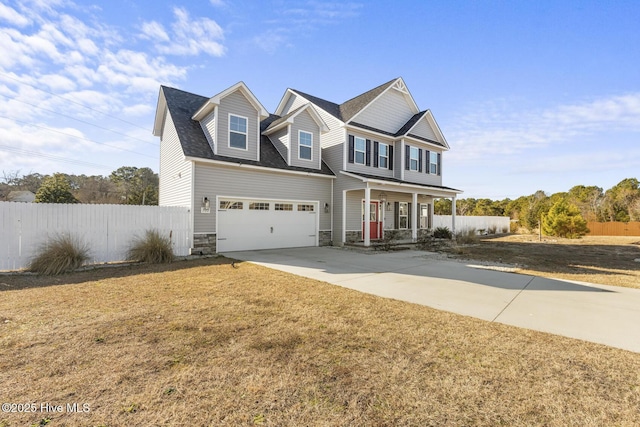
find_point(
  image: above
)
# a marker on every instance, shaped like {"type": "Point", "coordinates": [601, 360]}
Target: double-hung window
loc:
{"type": "Point", "coordinates": [403, 215]}
{"type": "Point", "coordinates": [433, 162]}
{"type": "Point", "coordinates": [414, 158]}
{"type": "Point", "coordinates": [383, 156]}
{"type": "Point", "coordinates": [305, 144]}
{"type": "Point", "coordinates": [237, 132]}
{"type": "Point", "coordinates": [360, 149]}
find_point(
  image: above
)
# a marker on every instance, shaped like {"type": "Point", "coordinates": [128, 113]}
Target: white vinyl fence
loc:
{"type": "Point", "coordinates": [106, 229]}
{"type": "Point", "coordinates": [464, 223]}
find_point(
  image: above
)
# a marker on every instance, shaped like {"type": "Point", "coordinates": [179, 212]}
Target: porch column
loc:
{"type": "Point", "coordinates": [343, 232]}
{"type": "Point", "coordinates": [453, 216]}
{"type": "Point", "coordinates": [414, 217]}
{"type": "Point", "coordinates": [367, 216]}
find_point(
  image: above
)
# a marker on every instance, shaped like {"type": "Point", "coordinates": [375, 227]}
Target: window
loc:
{"type": "Point", "coordinates": [305, 142]}
{"type": "Point", "coordinates": [237, 132]}
{"type": "Point", "coordinates": [414, 158]}
{"type": "Point", "coordinates": [305, 208]}
{"type": "Point", "coordinates": [282, 206]}
{"type": "Point", "coordinates": [360, 150]}
{"type": "Point", "coordinates": [433, 162]}
{"type": "Point", "coordinates": [425, 210]}
{"type": "Point", "coordinates": [383, 156]}
{"type": "Point", "coordinates": [259, 206]}
{"type": "Point", "coordinates": [403, 215]}
{"type": "Point", "coordinates": [226, 205]}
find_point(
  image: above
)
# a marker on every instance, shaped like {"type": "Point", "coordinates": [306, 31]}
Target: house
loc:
{"type": "Point", "coordinates": [313, 173]}
{"type": "Point", "coordinates": [21, 196]}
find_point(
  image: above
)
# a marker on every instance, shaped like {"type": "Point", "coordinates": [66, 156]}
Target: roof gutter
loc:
{"type": "Point", "coordinates": [259, 168]}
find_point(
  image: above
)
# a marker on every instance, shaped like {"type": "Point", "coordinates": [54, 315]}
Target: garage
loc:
{"type": "Point", "coordinates": [247, 224]}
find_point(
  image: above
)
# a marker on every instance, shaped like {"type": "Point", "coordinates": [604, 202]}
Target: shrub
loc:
{"type": "Point", "coordinates": [152, 248]}
{"type": "Point", "coordinates": [564, 220]}
{"type": "Point", "coordinates": [467, 236]}
{"type": "Point", "coordinates": [442, 233]}
{"type": "Point", "coordinates": [59, 255]}
{"type": "Point", "coordinates": [493, 229]}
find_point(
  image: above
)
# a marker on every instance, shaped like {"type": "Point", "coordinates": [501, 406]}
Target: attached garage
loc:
{"type": "Point", "coordinates": [247, 224]}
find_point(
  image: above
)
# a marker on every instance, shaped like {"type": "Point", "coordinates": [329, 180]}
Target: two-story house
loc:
{"type": "Point", "coordinates": [314, 173]}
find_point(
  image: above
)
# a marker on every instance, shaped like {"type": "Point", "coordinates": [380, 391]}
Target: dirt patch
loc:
{"type": "Point", "coordinates": [594, 259]}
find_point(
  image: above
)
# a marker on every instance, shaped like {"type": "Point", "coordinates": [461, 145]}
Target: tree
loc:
{"type": "Point", "coordinates": [442, 207]}
{"type": "Point", "coordinates": [564, 220]}
{"type": "Point", "coordinates": [620, 198]}
{"type": "Point", "coordinates": [55, 189]}
{"type": "Point", "coordinates": [136, 186]}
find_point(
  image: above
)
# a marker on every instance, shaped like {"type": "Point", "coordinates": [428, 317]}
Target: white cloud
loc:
{"type": "Point", "coordinates": [10, 15]}
{"type": "Point", "coordinates": [189, 36]}
{"type": "Point", "coordinates": [217, 3]}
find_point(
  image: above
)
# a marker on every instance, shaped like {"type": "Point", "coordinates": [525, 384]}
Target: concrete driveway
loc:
{"type": "Point", "coordinates": [603, 314]}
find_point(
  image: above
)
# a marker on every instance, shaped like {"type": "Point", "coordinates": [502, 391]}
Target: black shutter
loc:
{"type": "Point", "coordinates": [396, 215]}
{"type": "Point", "coordinates": [368, 155]}
{"type": "Point", "coordinates": [375, 154]}
{"type": "Point", "coordinates": [351, 148]}
{"type": "Point", "coordinates": [390, 157]}
{"type": "Point", "coordinates": [419, 159]}
{"type": "Point", "coordinates": [409, 216]}
{"type": "Point", "coordinates": [428, 168]}
{"type": "Point", "coordinates": [439, 155]}
{"type": "Point", "coordinates": [407, 157]}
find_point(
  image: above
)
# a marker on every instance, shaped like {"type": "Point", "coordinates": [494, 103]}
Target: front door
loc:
{"type": "Point", "coordinates": [375, 221]}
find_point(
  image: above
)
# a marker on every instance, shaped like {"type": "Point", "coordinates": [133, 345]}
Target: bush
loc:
{"type": "Point", "coordinates": [492, 229]}
{"type": "Point", "coordinates": [152, 248]}
{"type": "Point", "coordinates": [442, 233]}
{"type": "Point", "coordinates": [564, 220]}
{"type": "Point", "coordinates": [467, 236]}
{"type": "Point", "coordinates": [63, 253]}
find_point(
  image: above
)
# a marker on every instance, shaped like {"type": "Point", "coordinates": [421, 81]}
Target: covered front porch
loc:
{"type": "Point", "coordinates": [378, 205]}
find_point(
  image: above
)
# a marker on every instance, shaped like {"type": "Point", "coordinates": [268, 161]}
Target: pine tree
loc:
{"type": "Point", "coordinates": [564, 220]}
{"type": "Point", "coordinates": [55, 189]}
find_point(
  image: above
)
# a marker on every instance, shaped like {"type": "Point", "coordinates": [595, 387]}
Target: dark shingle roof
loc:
{"type": "Point", "coordinates": [399, 181]}
{"type": "Point", "coordinates": [182, 105]}
{"type": "Point", "coordinates": [350, 108]}
{"type": "Point", "coordinates": [399, 133]}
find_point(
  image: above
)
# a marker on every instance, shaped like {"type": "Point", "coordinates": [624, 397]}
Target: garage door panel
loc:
{"type": "Point", "coordinates": [246, 229]}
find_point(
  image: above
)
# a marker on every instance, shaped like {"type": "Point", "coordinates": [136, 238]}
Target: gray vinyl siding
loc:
{"type": "Point", "coordinates": [208, 127]}
{"type": "Point", "coordinates": [389, 112]}
{"type": "Point", "coordinates": [398, 155]}
{"type": "Point", "coordinates": [305, 122]}
{"type": "Point", "coordinates": [216, 180]}
{"type": "Point", "coordinates": [423, 129]}
{"type": "Point", "coordinates": [280, 140]}
{"type": "Point", "coordinates": [371, 170]}
{"type": "Point", "coordinates": [175, 171]}
{"type": "Point", "coordinates": [237, 104]}
{"type": "Point", "coordinates": [294, 102]}
{"type": "Point", "coordinates": [342, 183]}
{"type": "Point", "coordinates": [332, 142]}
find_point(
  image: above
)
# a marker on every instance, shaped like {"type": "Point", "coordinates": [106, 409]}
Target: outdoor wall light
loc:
{"type": "Point", "coordinates": [205, 203]}
{"type": "Point", "coordinates": [326, 208]}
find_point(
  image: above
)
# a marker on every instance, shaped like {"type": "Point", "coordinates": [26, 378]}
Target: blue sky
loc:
{"type": "Point", "coordinates": [531, 96]}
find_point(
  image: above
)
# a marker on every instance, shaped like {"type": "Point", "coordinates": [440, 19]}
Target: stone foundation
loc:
{"type": "Point", "coordinates": [204, 244]}
{"type": "Point", "coordinates": [325, 238]}
{"type": "Point", "coordinates": [353, 236]}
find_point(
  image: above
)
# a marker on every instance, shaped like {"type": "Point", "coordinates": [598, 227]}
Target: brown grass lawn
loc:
{"type": "Point", "coordinates": [200, 343]}
{"type": "Point", "coordinates": [593, 259]}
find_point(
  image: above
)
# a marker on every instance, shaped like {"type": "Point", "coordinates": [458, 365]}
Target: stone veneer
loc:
{"type": "Point", "coordinates": [325, 238]}
{"type": "Point", "coordinates": [205, 244]}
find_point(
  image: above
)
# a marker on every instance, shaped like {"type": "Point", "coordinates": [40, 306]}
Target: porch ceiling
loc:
{"type": "Point", "coordinates": [396, 185]}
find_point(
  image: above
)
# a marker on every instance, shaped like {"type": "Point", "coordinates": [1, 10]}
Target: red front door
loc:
{"type": "Point", "coordinates": [375, 222]}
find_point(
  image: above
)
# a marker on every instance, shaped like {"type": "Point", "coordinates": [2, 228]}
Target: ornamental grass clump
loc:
{"type": "Point", "coordinates": [61, 254]}
{"type": "Point", "coordinates": [152, 248]}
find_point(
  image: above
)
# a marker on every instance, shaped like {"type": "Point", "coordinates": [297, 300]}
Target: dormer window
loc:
{"type": "Point", "coordinates": [237, 132]}
{"type": "Point", "coordinates": [305, 143]}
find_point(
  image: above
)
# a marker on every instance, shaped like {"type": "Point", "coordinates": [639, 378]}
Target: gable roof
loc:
{"type": "Point", "coordinates": [207, 107]}
{"type": "Point", "coordinates": [182, 106]}
{"type": "Point", "coordinates": [352, 107]}
{"type": "Point", "coordinates": [288, 118]}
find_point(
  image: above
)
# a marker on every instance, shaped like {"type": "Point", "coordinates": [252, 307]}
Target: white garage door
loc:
{"type": "Point", "coordinates": [245, 224]}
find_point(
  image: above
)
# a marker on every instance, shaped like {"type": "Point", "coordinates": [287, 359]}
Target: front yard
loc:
{"type": "Point", "coordinates": [204, 343]}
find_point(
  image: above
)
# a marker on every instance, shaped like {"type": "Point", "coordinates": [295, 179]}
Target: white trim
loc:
{"type": "Point", "coordinates": [215, 130]}
{"type": "Point", "coordinates": [402, 158]}
{"type": "Point", "coordinates": [411, 158]}
{"type": "Point", "coordinates": [300, 131]}
{"type": "Point", "coordinates": [215, 100]}
{"type": "Point", "coordinates": [343, 237]}
{"type": "Point", "coordinates": [246, 132]}
{"type": "Point", "coordinates": [315, 116]}
{"type": "Point", "coordinates": [289, 147]}
{"type": "Point", "coordinates": [388, 186]}
{"type": "Point", "coordinates": [407, 215]}
{"type": "Point", "coordinates": [261, 168]}
{"type": "Point", "coordinates": [394, 139]}
{"type": "Point", "coordinates": [345, 149]}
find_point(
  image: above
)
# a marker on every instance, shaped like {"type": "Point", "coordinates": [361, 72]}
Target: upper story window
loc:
{"type": "Point", "coordinates": [237, 132]}
{"type": "Point", "coordinates": [433, 160]}
{"type": "Point", "coordinates": [383, 156]}
{"type": "Point", "coordinates": [305, 144]}
{"type": "Point", "coordinates": [414, 158]}
{"type": "Point", "coordinates": [360, 150]}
